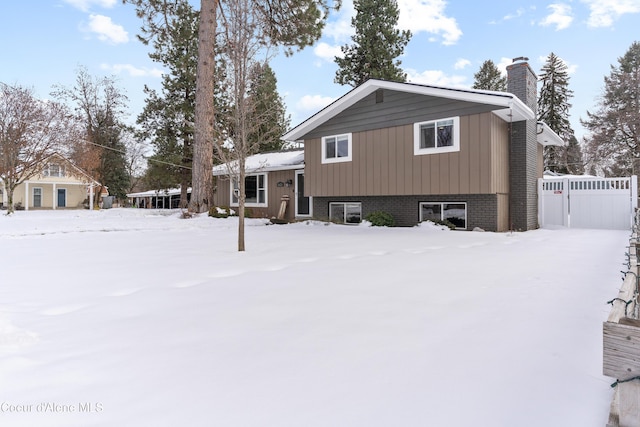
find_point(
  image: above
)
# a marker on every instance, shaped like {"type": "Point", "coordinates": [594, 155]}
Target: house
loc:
{"type": "Point", "coordinates": [423, 152]}
{"type": "Point", "coordinates": [58, 184]}
{"type": "Point", "coordinates": [158, 199]}
{"type": "Point", "coordinates": [270, 178]}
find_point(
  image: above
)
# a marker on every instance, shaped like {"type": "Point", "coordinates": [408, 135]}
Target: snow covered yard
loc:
{"type": "Point", "coordinates": [128, 317]}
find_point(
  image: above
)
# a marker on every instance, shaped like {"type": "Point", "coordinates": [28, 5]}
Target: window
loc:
{"type": "Point", "coordinates": [255, 190]}
{"type": "Point", "coordinates": [345, 213]}
{"type": "Point", "coordinates": [455, 213]}
{"type": "Point", "coordinates": [437, 136]}
{"type": "Point", "coordinates": [54, 169]}
{"type": "Point", "coordinates": [336, 148]}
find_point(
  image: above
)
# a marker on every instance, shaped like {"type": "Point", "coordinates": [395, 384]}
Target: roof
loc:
{"type": "Point", "coordinates": [265, 162]}
{"type": "Point", "coordinates": [158, 193]}
{"type": "Point", "coordinates": [546, 136]}
{"type": "Point", "coordinates": [78, 170]}
{"type": "Point", "coordinates": [508, 106]}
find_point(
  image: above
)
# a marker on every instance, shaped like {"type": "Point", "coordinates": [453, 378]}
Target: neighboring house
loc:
{"type": "Point", "coordinates": [58, 184]}
{"type": "Point", "coordinates": [270, 176]}
{"type": "Point", "coordinates": [158, 199]}
{"type": "Point", "coordinates": [422, 152]}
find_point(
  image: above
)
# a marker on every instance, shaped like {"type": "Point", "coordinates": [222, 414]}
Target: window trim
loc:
{"type": "Point", "coordinates": [336, 159]}
{"type": "Point", "coordinates": [466, 211]}
{"type": "Point", "coordinates": [417, 151]}
{"type": "Point", "coordinates": [344, 219]}
{"type": "Point", "coordinates": [61, 173]}
{"type": "Point", "coordinates": [232, 189]}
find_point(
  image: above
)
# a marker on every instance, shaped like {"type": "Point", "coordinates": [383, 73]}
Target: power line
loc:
{"type": "Point", "coordinates": [143, 156]}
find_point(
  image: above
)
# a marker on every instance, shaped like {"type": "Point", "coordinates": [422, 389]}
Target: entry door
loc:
{"type": "Point", "coordinates": [303, 204]}
{"type": "Point", "coordinates": [62, 197]}
{"type": "Point", "coordinates": [37, 197]}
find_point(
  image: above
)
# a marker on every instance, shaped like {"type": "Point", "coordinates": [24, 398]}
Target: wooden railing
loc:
{"type": "Point", "coordinates": [621, 344]}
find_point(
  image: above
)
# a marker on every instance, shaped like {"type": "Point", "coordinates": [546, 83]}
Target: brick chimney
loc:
{"type": "Point", "coordinates": [523, 169]}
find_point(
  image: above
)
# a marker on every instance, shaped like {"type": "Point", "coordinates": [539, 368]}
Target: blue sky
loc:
{"type": "Point", "coordinates": [45, 41]}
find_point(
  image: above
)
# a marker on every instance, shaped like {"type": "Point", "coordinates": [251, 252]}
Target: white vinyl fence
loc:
{"type": "Point", "coordinates": [581, 202]}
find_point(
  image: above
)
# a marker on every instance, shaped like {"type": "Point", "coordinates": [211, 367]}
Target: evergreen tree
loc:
{"type": "Point", "coordinates": [167, 119]}
{"type": "Point", "coordinates": [489, 77]}
{"type": "Point", "coordinates": [268, 110]}
{"type": "Point", "coordinates": [553, 109]}
{"type": "Point", "coordinates": [376, 45]}
{"type": "Point", "coordinates": [613, 145]}
{"type": "Point", "coordinates": [574, 158]}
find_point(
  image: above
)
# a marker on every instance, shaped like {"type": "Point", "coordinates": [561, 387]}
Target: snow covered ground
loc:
{"type": "Point", "coordinates": [128, 317]}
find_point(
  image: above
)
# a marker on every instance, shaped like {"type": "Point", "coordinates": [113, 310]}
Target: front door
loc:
{"type": "Point", "coordinates": [37, 197]}
{"type": "Point", "coordinates": [303, 204]}
{"type": "Point", "coordinates": [62, 197]}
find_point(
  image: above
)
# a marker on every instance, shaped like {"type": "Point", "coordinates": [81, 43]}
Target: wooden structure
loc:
{"type": "Point", "coordinates": [621, 346]}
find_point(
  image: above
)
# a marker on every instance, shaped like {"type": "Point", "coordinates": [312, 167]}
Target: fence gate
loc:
{"type": "Point", "coordinates": [577, 202]}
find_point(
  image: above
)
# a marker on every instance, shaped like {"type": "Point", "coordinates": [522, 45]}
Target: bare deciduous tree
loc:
{"type": "Point", "coordinates": [30, 130]}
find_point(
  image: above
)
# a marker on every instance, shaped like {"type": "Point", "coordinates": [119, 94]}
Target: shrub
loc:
{"type": "Point", "coordinates": [220, 212]}
{"type": "Point", "coordinates": [380, 219]}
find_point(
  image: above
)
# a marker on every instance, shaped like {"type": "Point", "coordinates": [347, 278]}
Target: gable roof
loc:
{"type": "Point", "coordinates": [265, 162]}
{"type": "Point", "coordinates": [78, 172]}
{"type": "Point", "coordinates": [508, 106]}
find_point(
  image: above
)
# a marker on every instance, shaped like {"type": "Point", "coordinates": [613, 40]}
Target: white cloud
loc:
{"type": "Point", "coordinates": [461, 64]}
{"type": "Point", "coordinates": [560, 16]}
{"type": "Point", "coordinates": [132, 70]}
{"type": "Point", "coordinates": [435, 77]}
{"type": "Point", "coordinates": [518, 14]}
{"type": "Point", "coordinates": [105, 29]}
{"type": "Point", "coordinates": [327, 52]}
{"type": "Point", "coordinates": [313, 102]}
{"type": "Point", "coordinates": [428, 16]}
{"type": "Point", "coordinates": [85, 5]}
{"type": "Point", "coordinates": [502, 65]}
{"type": "Point", "coordinates": [339, 26]}
{"type": "Point", "coordinates": [604, 12]}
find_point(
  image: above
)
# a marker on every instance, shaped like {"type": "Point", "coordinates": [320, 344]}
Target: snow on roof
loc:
{"type": "Point", "coordinates": [264, 162]}
{"type": "Point", "coordinates": [155, 193]}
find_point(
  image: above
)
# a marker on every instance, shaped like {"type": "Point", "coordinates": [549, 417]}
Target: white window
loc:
{"type": "Point", "coordinates": [336, 148]}
{"type": "Point", "coordinates": [54, 169]}
{"type": "Point", "coordinates": [345, 212]}
{"type": "Point", "coordinates": [436, 136]}
{"type": "Point", "coordinates": [453, 212]}
{"type": "Point", "coordinates": [255, 190]}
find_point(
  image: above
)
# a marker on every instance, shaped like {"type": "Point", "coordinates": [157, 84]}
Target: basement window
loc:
{"type": "Point", "coordinates": [345, 212]}
{"type": "Point", "coordinates": [455, 213]}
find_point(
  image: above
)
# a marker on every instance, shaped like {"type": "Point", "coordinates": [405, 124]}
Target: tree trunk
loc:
{"type": "Point", "coordinates": [241, 202]}
{"type": "Point", "coordinates": [10, 208]}
{"type": "Point", "coordinates": [202, 191]}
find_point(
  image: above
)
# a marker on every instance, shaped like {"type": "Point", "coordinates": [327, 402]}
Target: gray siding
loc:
{"type": "Point", "coordinates": [397, 109]}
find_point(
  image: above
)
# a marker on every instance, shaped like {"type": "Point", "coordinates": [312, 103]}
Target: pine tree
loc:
{"type": "Point", "coordinates": [167, 119]}
{"type": "Point", "coordinates": [613, 145]}
{"type": "Point", "coordinates": [376, 45]}
{"type": "Point", "coordinates": [489, 77]}
{"type": "Point", "coordinates": [268, 110]}
{"type": "Point", "coordinates": [553, 109]}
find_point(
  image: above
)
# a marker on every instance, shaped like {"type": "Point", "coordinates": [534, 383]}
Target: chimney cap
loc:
{"type": "Point", "coordinates": [520, 58]}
